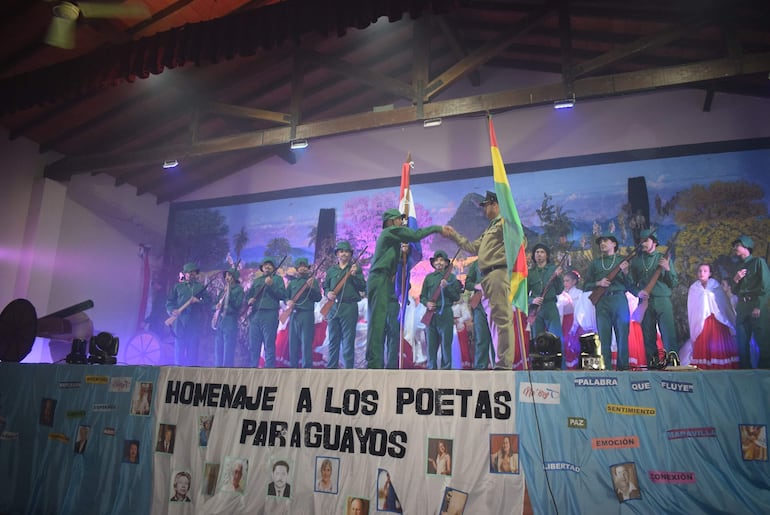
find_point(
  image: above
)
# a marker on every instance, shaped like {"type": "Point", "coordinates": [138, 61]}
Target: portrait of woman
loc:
{"type": "Point", "coordinates": [442, 463]}
{"type": "Point", "coordinates": [504, 454]}
{"type": "Point", "coordinates": [326, 479]}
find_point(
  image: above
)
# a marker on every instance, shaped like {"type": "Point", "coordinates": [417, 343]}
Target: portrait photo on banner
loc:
{"type": "Point", "coordinates": [504, 453]}
{"type": "Point", "coordinates": [210, 476]}
{"type": "Point", "coordinates": [453, 502]}
{"type": "Point", "coordinates": [327, 474]}
{"type": "Point", "coordinates": [141, 399]}
{"type": "Point", "coordinates": [235, 475]}
{"type": "Point", "coordinates": [625, 481]}
{"type": "Point", "coordinates": [439, 460]}
{"type": "Point", "coordinates": [753, 442]}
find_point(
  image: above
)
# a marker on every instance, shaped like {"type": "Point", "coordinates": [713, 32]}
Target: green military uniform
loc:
{"type": "Point", "coordinates": [380, 287]}
{"type": "Point", "coordinates": [547, 318]}
{"type": "Point", "coordinates": [302, 321]}
{"type": "Point", "coordinates": [189, 325]}
{"type": "Point", "coordinates": [753, 292]}
{"type": "Point", "coordinates": [440, 328]}
{"type": "Point", "coordinates": [612, 309]}
{"type": "Point", "coordinates": [343, 316]}
{"type": "Point", "coordinates": [263, 315]}
{"type": "Point", "coordinates": [660, 311]}
{"type": "Point", "coordinates": [227, 326]}
{"type": "Point", "coordinates": [482, 338]}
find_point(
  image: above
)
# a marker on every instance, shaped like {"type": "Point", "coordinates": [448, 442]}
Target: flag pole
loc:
{"type": "Point", "coordinates": [404, 262]}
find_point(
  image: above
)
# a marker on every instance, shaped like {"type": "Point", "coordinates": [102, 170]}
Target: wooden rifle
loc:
{"type": "Point", "coordinates": [341, 284]}
{"type": "Point", "coordinates": [170, 320]}
{"type": "Point", "coordinates": [599, 291]}
{"type": "Point", "coordinates": [534, 308]}
{"type": "Point", "coordinates": [428, 316]}
{"type": "Point", "coordinates": [284, 316]}
{"type": "Point", "coordinates": [261, 290]}
{"type": "Point", "coordinates": [217, 318]}
{"type": "Point", "coordinates": [475, 299]}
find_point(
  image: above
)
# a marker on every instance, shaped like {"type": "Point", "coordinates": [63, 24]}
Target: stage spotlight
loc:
{"type": "Point", "coordinates": [170, 163]}
{"type": "Point", "coordinates": [431, 122]}
{"type": "Point", "coordinates": [78, 353]}
{"type": "Point", "coordinates": [298, 144]}
{"type": "Point", "coordinates": [590, 352]}
{"type": "Point", "coordinates": [546, 353]}
{"type": "Point", "coordinates": [103, 348]}
{"type": "Point", "coordinates": [566, 103]}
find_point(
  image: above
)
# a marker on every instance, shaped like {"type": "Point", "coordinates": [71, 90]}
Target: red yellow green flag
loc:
{"type": "Point", "coordinates": [513, 233]}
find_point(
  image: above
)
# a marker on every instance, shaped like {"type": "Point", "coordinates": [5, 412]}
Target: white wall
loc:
{"type": "Point", "coordinates": [61, 244]}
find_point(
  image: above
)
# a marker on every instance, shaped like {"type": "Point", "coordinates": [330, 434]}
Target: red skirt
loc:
{"type": "Point", "coordinates": [715, 347]}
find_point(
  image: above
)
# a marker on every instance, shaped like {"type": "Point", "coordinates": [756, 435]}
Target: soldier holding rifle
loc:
{"type": "Point", "coordinates": [186, 304]}
{"type": "Point", "coordinates": [653, 278]}
{"type": "Point", "coordinates": [544, 286]}
{"type": "Point", "coordinates": [304, 292]}
{"type": "Point", "coordinates": [342, 285]}
{"type": "Point", "coordinates": [482, 338]}
{"type": "Point", "coordinates": [607, 277]}
{"type": "Point", "coordinates": [264, 299]}
{"type": "Point", "coordinates": [440, 290]}
{"type": "Point", "coordinates": [225, 321]}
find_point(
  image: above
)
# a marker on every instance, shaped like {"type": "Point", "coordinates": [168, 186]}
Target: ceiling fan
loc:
{"type": "Point", "coordinates": [61, 32]}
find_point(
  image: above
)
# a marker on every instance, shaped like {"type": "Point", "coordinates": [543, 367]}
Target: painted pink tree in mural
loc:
{"type": "Point", "coordinates": [362, 222]}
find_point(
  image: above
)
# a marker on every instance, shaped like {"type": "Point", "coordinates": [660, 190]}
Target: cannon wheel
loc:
{"type": "Point", "coordinates": [144, 348]}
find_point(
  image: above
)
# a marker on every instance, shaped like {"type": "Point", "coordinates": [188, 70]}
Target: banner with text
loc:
{"type": "Point", "coordinates": [233, 441]}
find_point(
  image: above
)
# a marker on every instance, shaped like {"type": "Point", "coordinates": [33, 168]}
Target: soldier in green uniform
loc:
{"type": "Point", "coordinates": [343, 316]}
{"type": "Point", "coordinates": [659, 313]}
{"type": "Point", "coordinates": [751, 284]}
{"type": "Point", "coordinates": [542, 273]}
{"type": "Point", "coordinates": [482, 338]}
{"type": "Point", "coordinates": [612, 309]}
{"type": "Point", "coordinates": [188, 301]}
{"type": "Point", "coordinates": [438, 294]}
{"type": "Point", "coordinates": [264, 299]}
{"type": "Point", "coordinates": [302, 321]}
{"type": "Point", "coordinates": [380, 287]}
{"type": "Point", "coordinates": [225, 322]}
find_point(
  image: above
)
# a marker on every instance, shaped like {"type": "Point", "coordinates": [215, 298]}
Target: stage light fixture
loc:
{"type": "Point", "coordinates": [103, 348]}
{"type": "Point", "coordinates": [590, 352]}
{"type": "Point", "coordinates": [431, 122]}
{"type": "Point", "coordinates": [298, 144]}
{"type": "Point", "coordinates": [546, 352]}
{"type": "Point", "coordinates": [170, 163]}
{"type": "Point", "coordinates": [565, 103]}
{"type": "Point", "coordinates": [78, 353]}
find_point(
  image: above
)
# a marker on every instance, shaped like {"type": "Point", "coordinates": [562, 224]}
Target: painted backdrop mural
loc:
{"type": "Point", "coordinates": [701, 197]}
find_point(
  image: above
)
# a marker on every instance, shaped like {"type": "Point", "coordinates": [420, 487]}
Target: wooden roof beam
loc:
{"type": "Point", "coordinates": [602, 86]}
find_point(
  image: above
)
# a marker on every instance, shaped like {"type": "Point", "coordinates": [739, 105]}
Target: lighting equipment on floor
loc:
{"type": "Point", "coordinates": [103, 348]}
{"type": "Point", "coordinates": [431, 122]}
{"type": "Point", "coordinates": [546, 352]}
{"type": "Point", "coordinates": [590, 352]}
{"type": "Point", "coordinates": [298, 144]}
{"type": "Point", "coordinates": [78, 353]}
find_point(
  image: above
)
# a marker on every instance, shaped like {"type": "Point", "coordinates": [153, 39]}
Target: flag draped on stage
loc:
{"type": "Point", "coordinates": [513, 236]}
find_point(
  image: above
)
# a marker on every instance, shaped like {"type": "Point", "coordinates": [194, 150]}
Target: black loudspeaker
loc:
{"type": "Point", "coordinates": [639, 201]}
{"type": "Point", "coordinates": [326, 234]}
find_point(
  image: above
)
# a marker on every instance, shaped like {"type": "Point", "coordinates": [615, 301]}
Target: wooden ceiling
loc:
{"type": "Point", "coordinates": [314, 68]}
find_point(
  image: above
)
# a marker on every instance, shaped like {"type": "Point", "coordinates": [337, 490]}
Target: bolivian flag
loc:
{"type": "Point", "coordinates": [513, 233]}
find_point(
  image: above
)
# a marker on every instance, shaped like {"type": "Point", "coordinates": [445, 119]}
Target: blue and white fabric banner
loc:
{"type": "Point", "coordinates": [297, 441]}
{"type": "Point", "coordinates": [76, 439]}
{"type": "Point", "coordinates": [635, 442]}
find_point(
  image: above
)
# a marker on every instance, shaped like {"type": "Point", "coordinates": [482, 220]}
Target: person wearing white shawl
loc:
{"type": "Point", "coordinates": [711, 317]}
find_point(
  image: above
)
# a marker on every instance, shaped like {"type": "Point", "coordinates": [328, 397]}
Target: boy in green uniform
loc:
{"type": "Point", "coordinates": [343, 316]}
{"type": "Point", "coordinates": [187, 301]}
{"type": "Point", "coordinates": [264, 299]}
{"type": "Point", "coordinates": [751, 284]}
{"type": "Point", "coordinates": [438, 294]}
{"type": "Point", "coordinates": [381, 289]}
{"type": "Point", "coordinates": [226, 325]}
{"type": "Point", "coordinates": [302, 321]}
{"type": "Point", "coordinates": [546, 314]}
